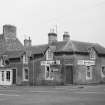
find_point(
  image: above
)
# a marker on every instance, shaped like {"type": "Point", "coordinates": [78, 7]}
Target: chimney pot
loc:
{"type": "Point", "coordinates": [52, 37]}
{"type": "Point", "coordinates": [66, 36]}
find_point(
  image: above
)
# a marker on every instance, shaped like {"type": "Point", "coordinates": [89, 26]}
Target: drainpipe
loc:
{"type": "Point", "coordinates": [33, 70]}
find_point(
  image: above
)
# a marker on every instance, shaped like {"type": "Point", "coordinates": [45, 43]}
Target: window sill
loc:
{"type": "Point", "coordinates": [49, 79]}
{"type": "Point", "coordinates": [25, 80]}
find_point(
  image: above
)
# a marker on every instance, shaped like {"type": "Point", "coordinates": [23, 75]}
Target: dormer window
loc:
{"type": "Point", "coordinates": [92, 54]}
{"type": "Point", "coordinates": [49, 55]}
{"type": "Point", "coordinates": [25, 59]}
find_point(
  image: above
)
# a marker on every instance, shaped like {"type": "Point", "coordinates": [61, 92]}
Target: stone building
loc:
{"type": "Point", "coordinates": [55, 63]}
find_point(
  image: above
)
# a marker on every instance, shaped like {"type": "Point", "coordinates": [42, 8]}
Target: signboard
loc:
{"type": "Point", "coordinates": [50, 62]}
{"type": "Point", "coordinates": [80, 62]}
{"type": "Point", "coordinates": [86, 62]}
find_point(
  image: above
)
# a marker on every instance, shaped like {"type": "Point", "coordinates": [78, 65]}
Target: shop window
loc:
{"type": "Point", "coordinates": [88, 72]}
{"type": "Point", "coordinates": [8, 75]}
{"type": "Point", "coordinates": [25, 74]}
{"type": "Point", "coordinates": [25, 59]}
{"type": "Point", "coordinates": [103, 71]}
{"type": "Point", "coordinates": [92, 54]}
{"type": "Point", "coordinates": [49, 55]}
{"type": "Point", "coordinates": [48, 73]}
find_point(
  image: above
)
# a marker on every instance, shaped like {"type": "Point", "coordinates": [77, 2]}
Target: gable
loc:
{"type": "Point", "coordinates": [49, 54]}
{"type": "Point", "coordinates": [92, 53]}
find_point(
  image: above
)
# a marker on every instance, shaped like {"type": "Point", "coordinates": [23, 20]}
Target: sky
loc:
{"type": "Point", "coordinates": [83, 19]}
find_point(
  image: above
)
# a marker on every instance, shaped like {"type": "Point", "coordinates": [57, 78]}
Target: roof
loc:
{"type": "Point", "coordinates": [69, 46]}
{"type": "Point", "coordinates": [13, 44]}
{"type": "Point", "coordinates": [14, 54]}
{"type": "Point", "coordinates": [78, 46]}
{"type": "Point", "coordinates": [38, 49]}
{"type": "Point", "coordinates": [60, 46]}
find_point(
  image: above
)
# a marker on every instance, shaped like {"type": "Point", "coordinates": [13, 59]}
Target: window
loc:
{"type": "Point", "coordinates": [88, 72]}
{"type": "Point", "coordinates": [103, 71]}
{"type": "Point", "coordinates": [92, 54]}
{"type": "Point", "coordinates": [25, 74]}
{"type": "Point", "coordinates": [48, 73]}
{"type": "Point", "coordinates": [25, 59]}
{"type": "Point", "coordinates": [2, 75]}
{"type": "Point", "coordinates": [1, 62]}
{"type": "Point", "coordinates": [49, 55]}
{"type": "Point", "coordinates": [8, 75]}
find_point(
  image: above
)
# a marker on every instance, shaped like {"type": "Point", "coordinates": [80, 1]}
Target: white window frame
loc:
{"type": "Point", "coordinates": [48, 78]}
{"type": "Point", "coordinates": [102, 75]}
{"type": "Point", "coordinates": [25, 59]}
{"type": "Point", "coordinates": [92, 54]}
{"type": "Point", "coordinates": [24, 79]}
{"type": "Point", "coordinates": [90, 71]}
{"type": "Point", "coordinates": [1, 62]}
{"type": "Point", "coordinates": [49, 54]}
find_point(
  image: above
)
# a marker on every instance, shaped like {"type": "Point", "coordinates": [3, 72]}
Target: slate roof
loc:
{"type": "Point", "coordinates": [13, 44]}
{"type": "Point", "coordinates": [70, 46]}
{"type": "Point", "coordinates": [14, 54]}
{"type": "Point", "coordinates": [61, 46]}
{"type": "Point", "coordinates": [39, 49]}
{"type": "Point", "coordinates": [2, 45]}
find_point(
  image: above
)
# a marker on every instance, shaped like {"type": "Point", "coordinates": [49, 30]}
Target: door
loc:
{"type": "Point", "coordinates": [6, 77]}
{"type": "Point", "coordinates": [69, 74]}
{"type": "Point", "coordinates": [14, 76]}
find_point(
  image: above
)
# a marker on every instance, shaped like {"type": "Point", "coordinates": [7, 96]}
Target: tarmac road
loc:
{"type": "Point", "coordinates": [60, 95]}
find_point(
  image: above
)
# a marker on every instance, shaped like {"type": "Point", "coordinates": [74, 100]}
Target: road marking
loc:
{"type": "Point", "coordinates": [41, 91]}
{"type": "Point", "coordinates": [90, 92]}
{"type": "Point", "coordinates": [9, 95]}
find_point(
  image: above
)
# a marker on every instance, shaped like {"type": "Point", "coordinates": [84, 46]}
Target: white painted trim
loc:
{"type": "Point", "coordinates": [48, 65]}
{"type": "Point", "coordinates": [47, 58]}
{"type": "Point", "coordinates": [90, 70]}
{"type": "Point", "coordinates": [24, 75]}
{"type": "Point", "coordinates": [5, 82]}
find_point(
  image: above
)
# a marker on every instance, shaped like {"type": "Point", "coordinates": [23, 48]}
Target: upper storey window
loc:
{"type": "Point", "coordinates": [49, 54]}
{"type": "Point", "coordinates": [92, 54]}
{"type": "Point", "coordinates": [25, 59]}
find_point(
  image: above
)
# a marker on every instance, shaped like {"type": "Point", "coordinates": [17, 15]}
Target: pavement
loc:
{"type": "Point", "coordinates": [53, 95]}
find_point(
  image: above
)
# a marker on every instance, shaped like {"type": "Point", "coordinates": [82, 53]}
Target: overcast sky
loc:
{"type": "Point", "coordinates": [83, 19]}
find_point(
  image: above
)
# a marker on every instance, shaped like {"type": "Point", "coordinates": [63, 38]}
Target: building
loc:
{"type": "Point", "coordinates": [55, 63]}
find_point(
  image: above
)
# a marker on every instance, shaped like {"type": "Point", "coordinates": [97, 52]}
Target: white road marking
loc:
{"type": "Point", "coordinates": [41, 91]}
{"type": "Point", "coordinates": [9, 94]}
{"type": "Point", "coordinates": [90, 92]}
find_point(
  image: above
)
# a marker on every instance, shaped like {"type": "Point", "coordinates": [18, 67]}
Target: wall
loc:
{"type": "Point", "coordinates": [80, 76]}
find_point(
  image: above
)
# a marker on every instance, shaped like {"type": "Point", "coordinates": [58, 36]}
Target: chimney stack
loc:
{"type": "Point", "coordinates": [52, 37]}
{"type": "Point", "coordinates": [9, 31]}
{"type": "Point", "coordinates": [66, 36]}
{"type": "Point", "coordinates": [27, 42]}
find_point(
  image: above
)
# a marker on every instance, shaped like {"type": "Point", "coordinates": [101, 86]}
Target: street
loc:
{"type": "Point", "coordinates": [56, 95]}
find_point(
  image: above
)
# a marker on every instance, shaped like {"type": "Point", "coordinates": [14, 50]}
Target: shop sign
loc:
{"type": "Point", "coordinates": [50, 62]}
{"type": "Point", "coordinates": [86, 62]}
